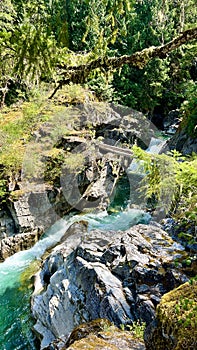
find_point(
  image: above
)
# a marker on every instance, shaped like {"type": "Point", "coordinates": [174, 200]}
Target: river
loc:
{"type": "Point", "coordinates": [15, 292]}
{"type": "Point", "coordinates": [15, 284]}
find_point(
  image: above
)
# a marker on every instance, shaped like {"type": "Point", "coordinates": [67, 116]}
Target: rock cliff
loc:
{"type": "Point", "coordinates": [182, 142]}
{"type": "Point", "coordinates": [83, 172]}
{"type": "Point", "coordinates": [120, 276]}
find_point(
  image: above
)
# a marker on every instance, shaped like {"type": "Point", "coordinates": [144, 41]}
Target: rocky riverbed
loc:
{"type": "Point", "coordinates": [116, 275]}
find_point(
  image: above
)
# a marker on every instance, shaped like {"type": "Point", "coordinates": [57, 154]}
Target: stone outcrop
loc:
{"type": "Point", "coordinates": [175, 326]}
{"type": "Point", "coordinates": [40, 206]}
{"type": "Point", "coordinates": [7, 224]}
{"type": "Point", "coordinates": [116, 123]}
{"type": "Point", "coordinates": [120, 276]}
{"type": "Point", "coordinates": [16, 243]}
{"type": "Point", "coordinates": [183, 142]}
{"type": "Point", "coordinates": [98, 334]}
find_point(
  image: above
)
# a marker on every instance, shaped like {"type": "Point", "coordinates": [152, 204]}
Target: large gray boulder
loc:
{"type": "Point", "coordinates": [119, 276]}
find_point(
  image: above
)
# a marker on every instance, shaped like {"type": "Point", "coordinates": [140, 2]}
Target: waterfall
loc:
{"type": "Point", "coordinates": [156, 145]}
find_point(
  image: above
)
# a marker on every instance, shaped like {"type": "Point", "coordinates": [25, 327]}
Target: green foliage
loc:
{"type": "Point", "coordinates": [27, 48]}
{"type": "Point", "coordinates": [189, 110]}
{"type": "Point", "coordinates": [24, 148]}
{"type": "Point", "coordinates": [186, 237]}
{"type": "Point", "coordinates": [37, 38]}
{"type": "Point", "coordinates": [102, 86]}
{"type": "Point", "coordinates": [3, 189]}
{"type": "Point", "coordinates": [137, 329]}
{"type": "Point", "coordinates": [107, 22]}
{"type": "Point", "coordinates": [53, 165]}
{"type": "Point", "coordinates": [175, 170]}
{"type": "Point", "coordinates": [35, 46]}
{"type": "Point", "coordinates": [161, 85]}
{"type": "Point", "coordinates": [16, 128]}
{"type": "Point", "coordinates": [7, 15]}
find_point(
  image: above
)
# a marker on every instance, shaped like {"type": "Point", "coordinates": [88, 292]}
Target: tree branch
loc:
{"type": "Point", "coordinates": [79, 74]}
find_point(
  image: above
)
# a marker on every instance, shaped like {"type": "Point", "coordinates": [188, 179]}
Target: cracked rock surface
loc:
{"type": "Point", "coordinates": [120, 276]}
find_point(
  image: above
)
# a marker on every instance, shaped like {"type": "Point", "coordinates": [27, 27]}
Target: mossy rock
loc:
{"type": "Point", "coordinates": [113, 340]}
{"type": "Point", "coordinates": [93, 327]}
{"type": "Point", "coordinates": [98, 334]}
{"type": "Point", "coordinates": [175, 327]}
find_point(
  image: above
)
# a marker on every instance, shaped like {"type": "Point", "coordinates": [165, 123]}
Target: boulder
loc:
{"type": "Point", "coordinates": [116, 123]}
{"type": "Point", "coordinates": [182, 142]}
{"type": "Point", "coordinates": [120, 276]}
{"type": "Point", "coordinates": [175, 326]}
{"type": "Point", "coordinates": [98, 334]}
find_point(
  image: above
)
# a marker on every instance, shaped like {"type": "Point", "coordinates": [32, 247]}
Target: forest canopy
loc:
{"type": "Point", "coordinates": [100, 43]}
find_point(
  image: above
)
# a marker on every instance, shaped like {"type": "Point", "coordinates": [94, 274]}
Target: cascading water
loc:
{"type": "Point", "coordinates": [15, 314]}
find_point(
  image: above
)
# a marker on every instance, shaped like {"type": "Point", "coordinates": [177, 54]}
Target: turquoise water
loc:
{"type": "Point", "coordinates": [15, 314]}
{"type": "Point", "coordinates": [15, 319]}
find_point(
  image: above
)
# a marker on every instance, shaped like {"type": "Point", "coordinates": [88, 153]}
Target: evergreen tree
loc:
{"type": "Point", "coordinates": [39, 38]}
{"type": "Point", "coordinates": [7, 51]}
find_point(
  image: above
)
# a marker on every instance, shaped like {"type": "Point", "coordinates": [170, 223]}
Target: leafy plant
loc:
{"type": "Point", "coordinates": [189, 110]}
{"type": "Point", "coordinates": [137, 329]}
{"type": "Point", "coordinates": [171, 180]}
{"type": "Point", "coordinates": [3, 189]}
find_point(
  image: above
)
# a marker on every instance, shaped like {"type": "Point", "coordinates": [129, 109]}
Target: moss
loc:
{"type": "Point", "coordinates": [176, 315]}
{"type": "Point", "coordinates": [15, 195]}
{"type": "Point", "coordinates": [26, 277]}
{"type": "Point", "coordinates": [85, 329]}
{"type": "Point", "coordinates": [111, 340]}
{"type": "Point", "coordinates": [92, 342]}
{"type": "Point", "coordinates": [73, 94]}
{"type": "Point", "coordinates": [102, 334]}
{"type": "Point", "coordinates": [42, 121]}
